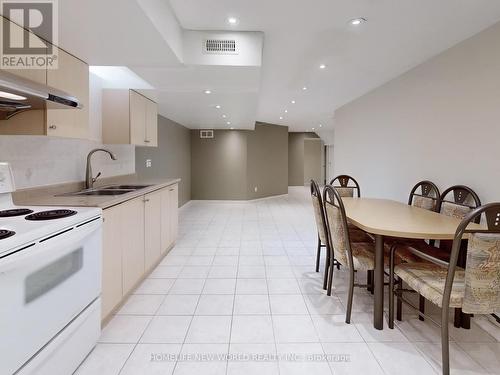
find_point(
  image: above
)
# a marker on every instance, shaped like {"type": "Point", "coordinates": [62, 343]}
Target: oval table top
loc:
{"type": "Point", "coordinates": [390, 218]}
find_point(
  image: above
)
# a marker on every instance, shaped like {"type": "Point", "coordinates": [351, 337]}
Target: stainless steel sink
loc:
{"type": "Point", "coordinates": [124, 187]}
{"type": "Point", "coordinates": [107, 190]}
{"type": "Point", "coordinates": [99, 192]}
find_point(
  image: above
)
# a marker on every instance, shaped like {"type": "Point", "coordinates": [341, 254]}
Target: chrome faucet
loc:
{"type": "Point", "coordinates": [89, 179]}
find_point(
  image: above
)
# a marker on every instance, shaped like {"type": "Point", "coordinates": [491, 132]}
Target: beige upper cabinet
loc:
{"type": "Point", "coordinates": [72, 77]}
{"type": "Point", "coordinates": [18, 34]}
{"type": "Point", "coordinates": [129, 118]}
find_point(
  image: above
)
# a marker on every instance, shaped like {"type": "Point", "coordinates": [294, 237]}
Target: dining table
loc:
{"type": "Point", "coordinates": [388, 218]}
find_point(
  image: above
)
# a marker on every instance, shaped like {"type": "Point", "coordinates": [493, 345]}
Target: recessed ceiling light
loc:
{"type": "Point", "coordinates": [357, 21]}
{"type": "Point", "coordinates": [281, 117]}
{"type": "Point", "coordinates": [286, 110]}
{"type": "Point", "coordinates": [224, 116]}
{"type": "Point", "coordinates": [320, 125]}
{"type": "Point", "coordinates": [231, 128]}
{"type": "Point", "coordinates": [322, 66]}
{"type": "Point", "coordinates": [8, 95]}
{"type": "Point", "coordinates": [229, 122]}
{"type": "Point", "coordinates": [208, 92]}
{"type": "Point", "coordinates": [217, 106]}
{"type": "Point", "coordinates": [293, 102]}
{"type": "Point", "coordinates": [232, 21]}
{"type": "Point", "coordinates": [304, 88]}
{"type": "Point", "coordinates": [313, 128]}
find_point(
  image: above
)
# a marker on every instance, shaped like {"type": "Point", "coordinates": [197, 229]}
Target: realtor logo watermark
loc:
{"type": "Point", "coordinates": [25, 37]}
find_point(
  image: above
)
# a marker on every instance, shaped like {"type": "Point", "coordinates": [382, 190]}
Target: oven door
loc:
{"type": "Point", "coordinates": [44, 287]}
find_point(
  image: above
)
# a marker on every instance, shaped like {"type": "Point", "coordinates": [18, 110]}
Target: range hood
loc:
{"type": "Point", "coordinates": [18, 95]}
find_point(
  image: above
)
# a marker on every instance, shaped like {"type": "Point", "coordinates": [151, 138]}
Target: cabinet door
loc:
{"type": "Point", "coordinates": [137, 119]}
{"type": "Point", "coordinates": [18, 35]}
{"type": "Point", "coordinates": [111, 260]}
{"type": "Point", "coordinates": [166, 220]}
{"type": "Point", "coordinates": [152, 220]}
{"type": "Point", "coordinates": [174, 211]}
{"type": "Point", "coordinates": [151, 123]}
{"type": "Point", "coordinates": [132, 233]}
{"type": "Point", "coordinates": [72, 77]}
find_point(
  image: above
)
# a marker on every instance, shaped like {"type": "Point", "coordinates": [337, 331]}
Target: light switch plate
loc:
{"type": "Point", "coordinates": [6, 179]}
{"type": "Point", "coordinates": [148, 163]}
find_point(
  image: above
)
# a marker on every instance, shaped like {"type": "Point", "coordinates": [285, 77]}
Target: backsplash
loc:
{"type": "Point", "coordinates": [40, 160]}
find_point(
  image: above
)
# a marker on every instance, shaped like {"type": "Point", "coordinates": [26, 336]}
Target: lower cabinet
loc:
{"type": "Point", "coordinates": [153, 221]}
{"type": "Point", "coordinates": [133, 243]}
{"type": "Point", "coordinates": [136, 234]}
{"type": "Point", "coordinates": [112, 290]}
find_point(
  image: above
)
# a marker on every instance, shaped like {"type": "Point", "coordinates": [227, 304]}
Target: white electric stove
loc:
{"type": "Point", "coordinates": [50, 284]}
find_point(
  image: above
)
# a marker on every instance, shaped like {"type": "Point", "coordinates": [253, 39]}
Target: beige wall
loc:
{"type": "Point", "coordinates": [171, 159]}
{"type": "Point", "coordinates": [267, 163]}
{"type": "Point", "coordinates": [313, 161]}
{"type": "Point", "coordinates": [296, 157]}
{"type": "Point", "coordinates": [439, 121]}
{"type": "Point", "coordinates": [219, 165]}
{"type": "Point", "coordinates": [234, 162]}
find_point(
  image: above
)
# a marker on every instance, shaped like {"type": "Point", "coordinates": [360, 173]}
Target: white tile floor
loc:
{"type": "Point", "coordinates": [238, 295]}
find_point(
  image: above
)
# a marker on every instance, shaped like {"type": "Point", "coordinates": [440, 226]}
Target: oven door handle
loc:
{"type": "Point", "coordinates": [51, 248]}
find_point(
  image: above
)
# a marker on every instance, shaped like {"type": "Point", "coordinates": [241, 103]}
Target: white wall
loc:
{"type": "Point", "coordinates": [439, 121]}
{"type": "Point", "coordinates": [39, 160]}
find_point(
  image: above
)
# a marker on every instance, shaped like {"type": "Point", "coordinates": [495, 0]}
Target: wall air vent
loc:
{"type": "Point", "coordinates": [206, 134]}
{"type": "Point", "coordinates": [220, 47]}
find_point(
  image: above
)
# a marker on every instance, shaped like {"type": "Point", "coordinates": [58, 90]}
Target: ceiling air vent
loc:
{"type": "Point", "coordinates": [206, 133]}
{"type": "Point", "coordinates": [220, 47]}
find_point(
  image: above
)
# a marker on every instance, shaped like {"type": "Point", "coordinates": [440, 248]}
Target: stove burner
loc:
{"type": "Point", "coordinates": [50, 215]}
{"type": "Point", "coordinates": [4, 233]}
{"type": "Point", "coordinates": [15, 212]}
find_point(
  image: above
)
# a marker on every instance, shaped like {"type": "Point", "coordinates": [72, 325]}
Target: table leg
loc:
{"type": "Point", "coordinates": [378, 311]}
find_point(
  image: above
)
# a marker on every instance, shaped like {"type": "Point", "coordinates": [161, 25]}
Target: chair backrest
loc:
{"type": "Point", "coordinates": [346, 185]}
{"type": "Point", "coordinates": [482, 271]}
{"type": "Point", "coordinates": [338, 233]}
{"type": "Point", "coordinates": [425, 195]}
{"type": "Point", "coordinates": [319, 213]}
{"type": "Point", "coordinates": [457, 201]}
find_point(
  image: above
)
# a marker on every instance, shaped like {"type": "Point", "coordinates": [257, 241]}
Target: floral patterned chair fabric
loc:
{"type": "Point", "coordinates": [318, 215]}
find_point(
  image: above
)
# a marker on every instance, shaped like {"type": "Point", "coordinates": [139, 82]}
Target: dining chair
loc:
{"type": "Point", "coordinates": [475, 289]}
{"type": "Point", "coordinates": [346, 186]}
{"type": "Point", "coordinates": [355, 256]}
{"type": "Point", "coordinates": [456, 201]}
{"type": "Point", "coordinates": [322, 231]}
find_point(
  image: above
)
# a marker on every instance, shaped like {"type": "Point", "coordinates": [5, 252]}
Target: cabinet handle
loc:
{"type": "Point", "coordinates": [146, 141]}
{"type": "Point", "coordinates": [146, 200]}
{"type": "Point", "coordinates": [53, 127]}
{"type": "Point", "coordinates": [171, 189]}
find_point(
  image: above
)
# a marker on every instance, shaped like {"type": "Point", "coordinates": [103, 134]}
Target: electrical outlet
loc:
{"type": "Point", "coordinates": [256, 189]}
{"type": "Point", "coordinates": [148, 163]}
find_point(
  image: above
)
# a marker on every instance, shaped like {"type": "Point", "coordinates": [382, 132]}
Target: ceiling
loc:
{"type": "Point", "coordinates": [298, 37]}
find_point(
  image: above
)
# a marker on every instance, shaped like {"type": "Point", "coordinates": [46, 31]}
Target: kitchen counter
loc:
{"type": "Point", "coordinates": [51, 195]}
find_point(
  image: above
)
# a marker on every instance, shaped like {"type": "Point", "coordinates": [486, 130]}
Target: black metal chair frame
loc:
{"type": "Point", "coordinates": [427, 188]}
{"type": "Point", "coordinates": [331, 196]}
{"type": "Point", "coordinates": [344, 180]}
{"type": "Point", "coordinates": [492, 212]}
{"type": "Point", "coordinates": [315, 191]}
{"type": "Point", "coordinates": [460, 195]}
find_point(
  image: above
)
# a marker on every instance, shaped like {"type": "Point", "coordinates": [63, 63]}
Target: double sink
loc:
{"type": "Point", "coordinates": [108, 190]}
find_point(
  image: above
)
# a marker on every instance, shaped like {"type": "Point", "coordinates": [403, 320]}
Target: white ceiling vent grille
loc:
{"type": "Point", "coordinates": [220, 47]}
{"type": "Point", "coordinates": [206, 134]}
